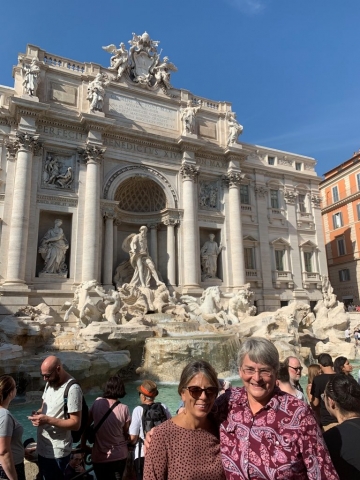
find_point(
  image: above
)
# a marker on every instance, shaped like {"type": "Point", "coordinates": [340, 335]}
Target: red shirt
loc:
{"type": "Point", "coordinates": [281, 441]}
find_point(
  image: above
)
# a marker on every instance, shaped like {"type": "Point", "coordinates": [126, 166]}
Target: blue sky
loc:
{"type": "Point", "coordinates": [290, 68]}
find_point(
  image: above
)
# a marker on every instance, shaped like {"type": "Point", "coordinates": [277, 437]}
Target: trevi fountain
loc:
{"type": "Point", "coordinates": [138, 232]}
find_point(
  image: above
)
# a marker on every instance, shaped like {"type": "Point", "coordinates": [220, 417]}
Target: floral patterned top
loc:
{"type": "Point", "coordinates": [281, 441]}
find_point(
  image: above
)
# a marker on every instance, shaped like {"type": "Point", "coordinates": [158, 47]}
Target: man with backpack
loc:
{"type": "Point", "coordinates": [144, 418]}
{"type": "Point", "coordinates": [56, 419]}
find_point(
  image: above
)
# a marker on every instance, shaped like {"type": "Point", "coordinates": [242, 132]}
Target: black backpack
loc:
{"type": "Point", "coordinates": [152, 416]}
{"type": "Point", "coordinates": [76, 434]}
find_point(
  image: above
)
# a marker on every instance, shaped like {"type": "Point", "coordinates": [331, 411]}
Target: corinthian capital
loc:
{"type": "Point", "coordinates": [189, 171]}
{"type": "Point", "coordinates": [12, 146]}
{"type": "Point", "coordinates": [232, 179]}
{"type": "Point", "coordinates": [28, 142]}
{"type": "Point", "coordinates": [92, 153]}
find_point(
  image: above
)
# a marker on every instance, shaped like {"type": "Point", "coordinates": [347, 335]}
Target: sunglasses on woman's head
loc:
{"type": "Point", "coordinates": [196, 392]}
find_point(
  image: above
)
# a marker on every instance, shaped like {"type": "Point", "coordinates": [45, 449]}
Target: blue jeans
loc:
{"type": "Point", "coordinates": [52, 468]}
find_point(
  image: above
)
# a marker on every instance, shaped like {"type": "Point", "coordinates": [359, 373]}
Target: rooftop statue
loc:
{"type": "Point", "coordinates": [30, 77]}
{"type": "Point", "coordinates": [96, 92]}
{"type": "Point", "coordinates": [142, 62]}
{"type": "Point", "coordinates": [119, 61]}
{"type": "Point", "coordinates": [235, 129]}
{"type": "Point", "coordinates": [187, 116]}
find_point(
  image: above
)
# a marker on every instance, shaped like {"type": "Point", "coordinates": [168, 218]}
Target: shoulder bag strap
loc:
{"type": "Point", "coordinates": [98, 425]}
{"type": "Point", "coordinates": [66, 394]}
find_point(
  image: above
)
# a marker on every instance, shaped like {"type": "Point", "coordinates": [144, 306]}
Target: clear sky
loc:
{"type": "Point", "coordinates": [291, 68]}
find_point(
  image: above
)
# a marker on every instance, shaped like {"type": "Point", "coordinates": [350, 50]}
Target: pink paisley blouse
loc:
{"type": "Point", "coordinates": [281, 441]}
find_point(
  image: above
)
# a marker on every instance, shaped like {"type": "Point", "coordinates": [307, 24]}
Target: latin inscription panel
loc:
{"type": "Point", "coordinates": [143, 112]}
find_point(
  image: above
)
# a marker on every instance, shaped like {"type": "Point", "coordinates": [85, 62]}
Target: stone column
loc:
{"type": "Point", "coordinates": [170, 248]}
{"type": "Point", "coordinates": [153, 243]}
{"type": "Point", "coordinates": [26, 145]}
{"type": "Point", "coordinates": [190, 234]}
{"type": "Point", "coordinates": [109, 217]}
{"type": "Point", "coordinates": [233, 179]}
{"type": "Point", "coordinates": [93, 156]}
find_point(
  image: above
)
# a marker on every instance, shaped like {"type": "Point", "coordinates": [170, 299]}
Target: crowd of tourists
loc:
{"type": "Point", "coordinates": [268, 429]}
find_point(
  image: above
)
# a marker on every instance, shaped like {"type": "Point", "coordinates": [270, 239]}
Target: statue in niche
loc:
{"type": "Point", "coordinates": [96, 92]}
{"type": "Point", "coordinates": [235, 129]}
{"type": "Point", "coordinates": [162, 73]}
{"type": "Point", "coordinates": [187, 116]}
{"type": "Point", "coordinates": [208, 195]}
{"type": "Point", "coordinates": [119, 61]}
{"type": "Point", "coordinates": [136, 246]}
{"type": "Point", "coordinates": [209, 253]}
{"type": "Point", "coordinates": [30, 77]}
{"type": "Point", "coordinates": [53, 248]}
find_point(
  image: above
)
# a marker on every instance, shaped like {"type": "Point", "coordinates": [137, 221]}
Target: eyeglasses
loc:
{"type": "Point", "coordinates": [263, 372]}
{"type": "Point", "coordinates": [196, 392]}
{"type": "Point", "coordinates": [297, 369]}
{"type": "Point", "coordinates": [48, 375]}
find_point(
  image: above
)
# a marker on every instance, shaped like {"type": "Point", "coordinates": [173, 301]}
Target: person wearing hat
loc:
{"type": "Point", "coordinates": [147, 393]}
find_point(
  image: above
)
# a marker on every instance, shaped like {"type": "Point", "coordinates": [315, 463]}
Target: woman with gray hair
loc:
{"type": "Point", "coordinates": [264, 432]}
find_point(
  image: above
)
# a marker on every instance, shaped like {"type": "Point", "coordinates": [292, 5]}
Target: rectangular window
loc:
{"type": "Point", "coordinates": [344, 275]}
{"type": "Point", "coordinates": [249, 254]}
{"type": "Point", "coordinates": [279, 260]}
{"type": "Point", "coordinates": [337, 220]}
{"type": "Point", "coordinates": [274, 198]}
{"type": "Point", "coordinates": [308, 261]}
{"type": "Point", "coordinates": [301, 200]}
{"type": "Point", "coordinates": [244, 194]}
{"type": "Point", "coordinates": [271, 160]}
{"type": "Point", "coordinates": [298, 166]}
{"type": "Point", "coordinates": [358, 210]}
{"type": "Point", "coordinates": [341, 246]}
{"type": "Point", "coordinates": [358, 180]}
{"type": "Point", "coordinates": [335, 194]}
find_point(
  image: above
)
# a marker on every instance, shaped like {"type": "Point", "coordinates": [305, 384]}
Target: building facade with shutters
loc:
{"type": "Point", "coordinates": [98, 152]}
{"type": "Point", "coordinates": [340, 192]}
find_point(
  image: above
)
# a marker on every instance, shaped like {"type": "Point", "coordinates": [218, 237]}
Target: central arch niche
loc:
{"type": "Point", "coordinates": [140, 195]}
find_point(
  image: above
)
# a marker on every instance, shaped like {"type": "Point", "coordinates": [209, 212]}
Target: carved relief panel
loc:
{"type": "Point", "coordinates": [208, 195]}
{"type": "Point", "coordinates": [58, 170]}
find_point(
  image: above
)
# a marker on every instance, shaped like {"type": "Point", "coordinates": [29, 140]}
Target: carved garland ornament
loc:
{"type": "Point", "coordinates": [261, 191]}
{"type": "Point", "coordinates": [316, 200]}
{"type": "Point", "coordinates": [290, 196]}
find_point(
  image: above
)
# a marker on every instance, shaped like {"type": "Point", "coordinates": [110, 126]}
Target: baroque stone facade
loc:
{"type": "Point", "coordinates": [104, 150]}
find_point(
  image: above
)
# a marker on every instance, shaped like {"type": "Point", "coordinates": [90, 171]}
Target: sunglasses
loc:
{"type": "Point", "coordinates": [47, 375]}
{"type": "Point", "coordinates": [297, 369]}
{"type": "Point", "coordinates": [196, 392]}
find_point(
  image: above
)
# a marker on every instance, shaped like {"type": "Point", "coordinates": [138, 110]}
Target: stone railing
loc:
{"type": "Point", "coordinates": [64, 63]}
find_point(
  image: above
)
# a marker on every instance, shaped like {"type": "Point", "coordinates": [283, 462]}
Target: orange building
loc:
{"type": "Point", "coordinates": [340, 193]}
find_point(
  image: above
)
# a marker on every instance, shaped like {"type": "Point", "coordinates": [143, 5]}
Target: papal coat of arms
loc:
{"type": "Point", "coordinates": [142, 63]}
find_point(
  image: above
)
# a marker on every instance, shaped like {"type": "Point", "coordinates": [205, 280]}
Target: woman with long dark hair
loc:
{"type": "Point", "coordinates": [342, 365]}
{"type": "Point", "coordinates": [342, 400]}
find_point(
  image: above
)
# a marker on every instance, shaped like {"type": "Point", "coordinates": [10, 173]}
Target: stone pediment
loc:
{"type": "Point", "coordinates": [309, 244]}
{"type": "Point", "coordinates": [280, 241]}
